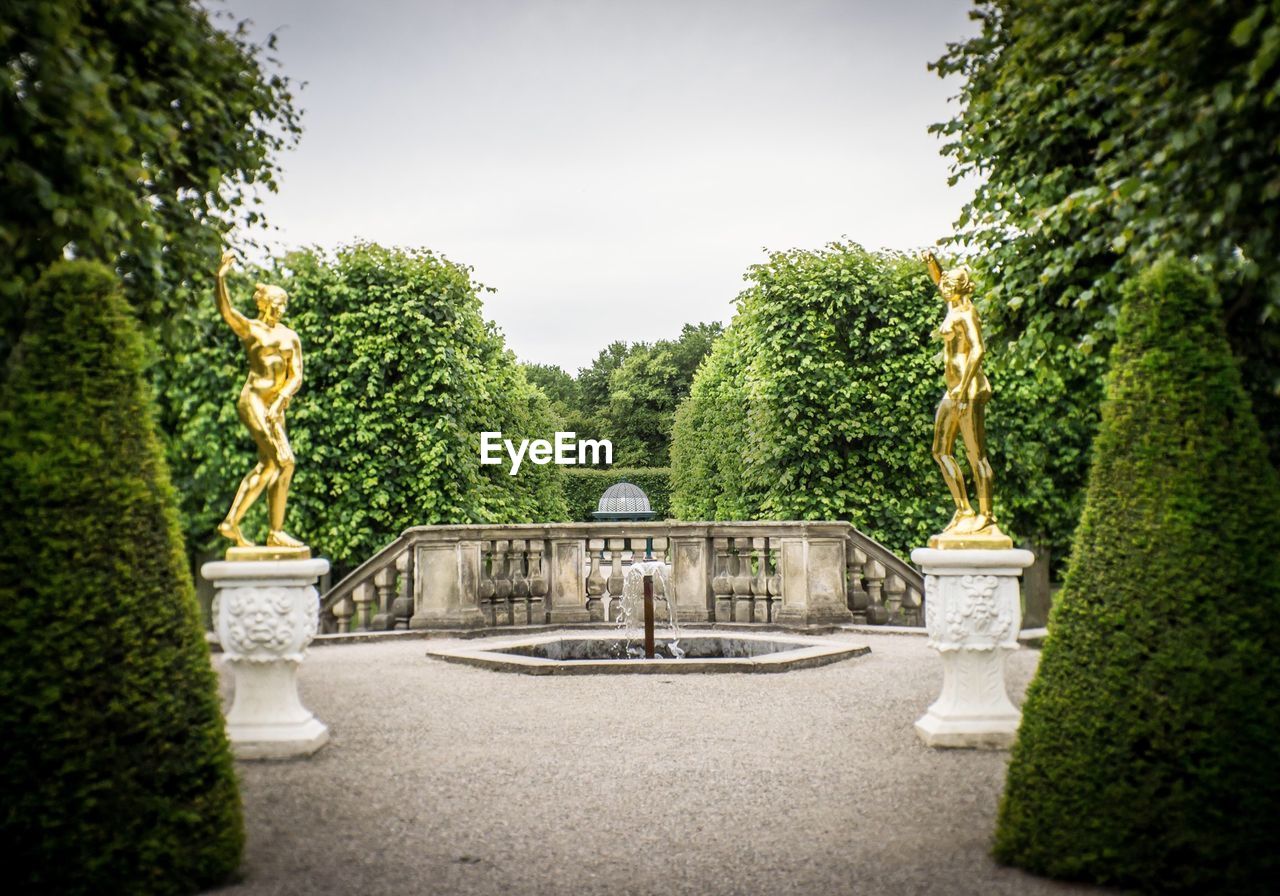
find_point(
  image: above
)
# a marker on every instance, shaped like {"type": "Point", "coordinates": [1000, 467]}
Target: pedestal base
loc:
{"type": "Point", "coordinates": [972, 612]}
{"type": "Point", "coordinates": [266, 613]}
{"type": "Point", "coordinates": [971, 734]}
{"type": "Point", "coordinates": [973, 710]}
{"type": "Point", "coordinates": [267, 719]}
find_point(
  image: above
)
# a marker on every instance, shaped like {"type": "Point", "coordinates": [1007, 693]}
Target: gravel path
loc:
{"type": "Point", "coordinates": [449, 779]}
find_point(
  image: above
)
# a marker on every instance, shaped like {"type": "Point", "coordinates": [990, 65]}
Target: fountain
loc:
{"type": "Point", "coordinates": [638, 593]}
{"type": "Point", "coordinates": [646, 583]}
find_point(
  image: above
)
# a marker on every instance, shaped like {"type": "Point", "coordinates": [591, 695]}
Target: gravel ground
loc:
{"type": "Point", "coordinates": [444, 779]}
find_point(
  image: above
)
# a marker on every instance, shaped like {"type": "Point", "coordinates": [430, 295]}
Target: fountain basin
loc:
{"type": "Point", "coordinates": [594, 654]}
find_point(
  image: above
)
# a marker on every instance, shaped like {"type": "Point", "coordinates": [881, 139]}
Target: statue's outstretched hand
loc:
{"type": "Point", "coordinates": [228, 259]}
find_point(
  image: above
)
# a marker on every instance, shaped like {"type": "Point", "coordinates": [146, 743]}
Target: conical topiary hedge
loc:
{"type": "Point", "coordinates": [116, 773]}
{"type": "Point", "coordinates": [1149, 752]}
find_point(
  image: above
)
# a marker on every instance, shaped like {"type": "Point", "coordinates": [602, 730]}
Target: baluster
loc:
{"type": "Point", "coordinates": [342, 611]}
{"type": "Point", "coordinates": [660, 549]}
{"type": "Point", "coordinates": [742, 581]}
{"type": "Point", "coordinates": [775, 582]}
{"type": "Point", "coordinates": [760, 584]}
{"type": "Point", "coordinates": [402, 609]}
{"type": "Point", "coordinates": [363, 595]}
{"type": "Point", "coordinates": [874, 573]}
{"type": "Point", "coordinates": [595, 580]}
{"type": "Point", "coordinates": [663, 601]}
{"type": "Point", "coordinates": [616, 547]}
{"type": "Point", "coordinates": [859, 600]}
{"type": "Point", "coordinates": [519, 584]}
{"type": "Point", "coordinates": [487, 589]}
{"type": "Point", "coordinates": [722, 582]}
{"type": "Point", "coordinates": [537, 582]}
{"type": "Point", "coordinates": [912, 603]}
{"type": "Point", "coordinates": [893, 588]}
{"type": "Point", "coordinates": [502, 585]}
{"type": "Point", "coordinates": [384, 585]}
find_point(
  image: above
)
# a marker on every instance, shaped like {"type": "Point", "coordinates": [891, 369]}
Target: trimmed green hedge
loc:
{"type": "Point", "coordinates": [1148, 753]}
{"type": "Point", "coordinates": [584, 486]}
{"type": "Point", "coordinates": [116, 776]}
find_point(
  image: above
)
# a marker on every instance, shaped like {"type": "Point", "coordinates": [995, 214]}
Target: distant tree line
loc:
{"type": "Point", "coordinates": [630, 393]}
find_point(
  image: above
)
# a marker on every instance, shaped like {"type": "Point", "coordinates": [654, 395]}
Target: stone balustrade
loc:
{"type": "Point", "coordinates": [475, 576]}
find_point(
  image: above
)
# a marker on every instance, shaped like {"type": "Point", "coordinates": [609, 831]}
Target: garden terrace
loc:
{"type": "Point", "coordinates": [790, 574]}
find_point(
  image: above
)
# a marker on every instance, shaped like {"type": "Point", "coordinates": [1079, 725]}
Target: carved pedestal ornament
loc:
{"type": "Point", "coordinates": [973, 611]}
{"type": "Point", "coordinates": [266, 614]}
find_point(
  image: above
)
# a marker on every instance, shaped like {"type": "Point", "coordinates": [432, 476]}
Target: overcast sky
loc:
{"type": "Point", "coordinates": [612, 168]}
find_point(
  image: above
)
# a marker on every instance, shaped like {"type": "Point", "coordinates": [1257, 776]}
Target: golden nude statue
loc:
{"type": "Point", "coordinates": [962, 413]}
{"type": "Point", "coordinates": [275, 375]}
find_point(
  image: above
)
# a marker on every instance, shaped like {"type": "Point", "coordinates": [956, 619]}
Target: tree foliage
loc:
{"type": "Point", "coordinates": [560, 388]}
{"type": "Point", "coordinates": [117, 777]}
{"type": "Point", "coordinates": [647, 387]}
{"type": "Point", "coordinates": [135, 132]}
{"type": "Point", "coordinates": [630, 393]}
{"type": "Point", "coordinates": [1104, 134]}
{"type": "Point", "coordinates": [401, 375]}
{"type": "Point", "coordinates": [567, 407]}
{"type": "Point", "coordinates": [1147, 755]}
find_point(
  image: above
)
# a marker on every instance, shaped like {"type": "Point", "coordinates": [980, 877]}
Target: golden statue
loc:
{"type": "Point", "coordinates": [275, 375]}
{"type": "Point", "coordinates": [962, 412]}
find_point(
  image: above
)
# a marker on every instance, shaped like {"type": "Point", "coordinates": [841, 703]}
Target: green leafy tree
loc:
{"type": "Point", "coordinates": [402, 375]}
{"type": "Point", "coordinates": [594, 386]}
{"type": "Point", "coordinates": [566, 401]}
{"type": "Point", "coordinates": [708, 435]}
{"type": "Point", "coordinates": [647, 387]}
{"type": "Point", "coordinates": [556, 384]}
{"type": "Point", "coordinates": [1147, 755]}
{"type": "Point", "coordinates": [135, 133]}
{"type": "Point", "coordinates": [1102, 135]}
{"type": "Point", "coordinates": [117, 776]}
{"type": "Point", "coordinates": [630, 393]}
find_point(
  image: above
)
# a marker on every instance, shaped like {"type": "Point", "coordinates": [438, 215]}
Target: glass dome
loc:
{"type": "Point", "coordinates": [623, 501]}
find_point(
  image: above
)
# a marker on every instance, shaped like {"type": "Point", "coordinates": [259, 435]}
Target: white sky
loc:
{"type": "Point", "coordinates": [613, 168]}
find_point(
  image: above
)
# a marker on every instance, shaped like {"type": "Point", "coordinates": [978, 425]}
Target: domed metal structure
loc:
{"type": "Point", "coordinates": [623, 501]}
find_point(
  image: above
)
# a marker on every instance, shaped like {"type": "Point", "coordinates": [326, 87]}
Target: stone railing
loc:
{"type": "Point", "coordinates": [787, 573]}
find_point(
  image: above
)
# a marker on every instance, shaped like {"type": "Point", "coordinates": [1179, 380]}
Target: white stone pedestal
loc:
{"type": "Point", "coordinates": [973, 611]}
{"type": "Point", "coordinates": [265, 613]}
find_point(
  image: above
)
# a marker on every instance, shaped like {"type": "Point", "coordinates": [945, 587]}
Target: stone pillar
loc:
{"type": "Point", "coordinates": [447, 585]}
{"type": "Point", "coordinates": [813, 581]}
{"type": "Point", "coordinates": [265, 614]}
{"type": "Point", "coordinates": [691, 578]}
{"type": "Point", "coordinates": [972, 612]}
{"type": "Point", "coordinates": [568, 592]}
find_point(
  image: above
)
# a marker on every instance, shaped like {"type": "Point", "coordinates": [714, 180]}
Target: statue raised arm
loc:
{"type": "Point", "coordinates": [275, 375]}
